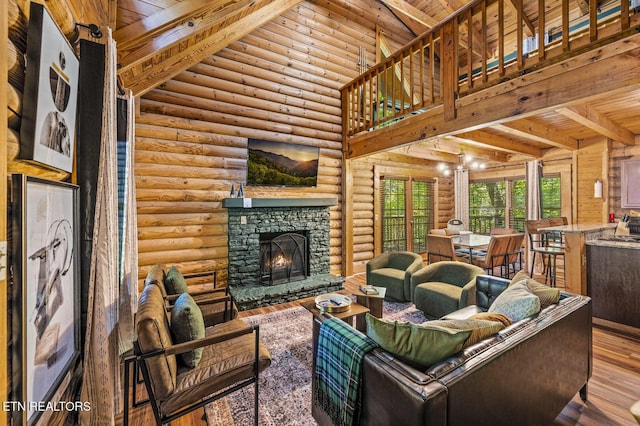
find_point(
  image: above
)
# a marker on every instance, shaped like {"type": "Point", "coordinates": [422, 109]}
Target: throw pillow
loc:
{"type": "Point", "coordinates": [480, 329]}
{"type": "Point", "coordinates": [516, 302]}
{"type": "Point", "coordinates": [420, 345]}
{"type": "Point", "coordinates": [521, 275]}
{"type": "Point", "coordinates": [175, 282]}
{"type": "Point", "coordinates": [548, 296]}
{"type": "Point", "coordinates": [492, 316]}
{"type": "Point", "coordinates": [187, 324]}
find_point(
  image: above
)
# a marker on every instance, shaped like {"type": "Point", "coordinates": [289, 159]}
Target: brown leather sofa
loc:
{"type": "Point", "coordinates": [526, 374]}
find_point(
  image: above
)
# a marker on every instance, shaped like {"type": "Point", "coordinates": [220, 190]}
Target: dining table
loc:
{"type": "Point", "coordinates": [471, 242]}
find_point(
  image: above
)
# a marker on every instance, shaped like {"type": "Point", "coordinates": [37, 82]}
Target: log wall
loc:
{"type": "Point", "coordinates": [364, 217]}
{"type": "Point", "coordinates": [282, 83]}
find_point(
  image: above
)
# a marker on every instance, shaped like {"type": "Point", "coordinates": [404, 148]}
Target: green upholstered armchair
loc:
{"type": "Point", "coordinates": [443, 287]}
{"type": "Point", "coordinates": [393, 270]}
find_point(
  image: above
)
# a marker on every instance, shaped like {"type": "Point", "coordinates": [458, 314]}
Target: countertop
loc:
{"type": "Point", "coordinates": [580, 228]}
{"type": "Point", "coordinates": [633, 245]}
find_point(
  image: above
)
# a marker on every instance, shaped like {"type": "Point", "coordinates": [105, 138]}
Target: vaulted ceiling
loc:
{"type": "Point", "coordinates": [159, 39]}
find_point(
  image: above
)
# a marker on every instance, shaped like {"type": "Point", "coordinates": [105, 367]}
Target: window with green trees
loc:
{"type": "Point", "coordinates": [502, 203]}
{"type": "Point", "coordinates": [407, 214]}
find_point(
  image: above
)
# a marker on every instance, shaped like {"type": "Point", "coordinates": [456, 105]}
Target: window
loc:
{"type": "Point", "coordinates": [550, 200]}
{"type": "Point", "coordinates": [407, 213]}
{"type": "Point", "coordinates": [518, 209]}
{"type": "Point", "coordinates": [490, 207]}
{"type": "Point", "coordinates": [487, 206]}
{"type": "Point", "coordinates": [394, 234]}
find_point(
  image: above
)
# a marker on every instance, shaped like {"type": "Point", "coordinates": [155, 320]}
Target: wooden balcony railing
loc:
{"type": "Point", "coordinates": [482, 44]}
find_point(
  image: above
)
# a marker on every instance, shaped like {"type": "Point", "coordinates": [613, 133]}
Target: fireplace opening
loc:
{"type": "Point", "coordinates": [283, 257]}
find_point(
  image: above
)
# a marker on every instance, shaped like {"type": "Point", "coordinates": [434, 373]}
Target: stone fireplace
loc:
{"type": "Point", "coordinates": [279, 249]}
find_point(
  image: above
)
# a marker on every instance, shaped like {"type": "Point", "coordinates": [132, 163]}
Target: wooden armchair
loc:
{"type": "Point", "coordinates": [232, 358]}
{"type": "Point", "coordinates": [215, 303]}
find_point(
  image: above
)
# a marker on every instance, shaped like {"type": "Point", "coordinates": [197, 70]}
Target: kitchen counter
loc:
{"type": "Point", "coordinates": [582, 228]}
{"type": "Point", "coordinates": [575, 238]}
{"type": "Point", "coordinates": [626, 244]}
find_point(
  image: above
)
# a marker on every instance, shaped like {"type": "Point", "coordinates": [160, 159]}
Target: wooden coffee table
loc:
{"type": "Point", "coordinates": [356, 311]}
{"type": "Point", "coordinates": [372, 301]}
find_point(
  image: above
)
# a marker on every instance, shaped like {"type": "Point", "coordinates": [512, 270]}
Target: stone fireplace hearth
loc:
{"type": "Point", "coordinates": [297, 265]}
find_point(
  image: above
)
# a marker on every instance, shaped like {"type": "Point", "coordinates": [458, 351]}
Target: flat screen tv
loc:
{"type": "Point", "coordinates": [281, 164]}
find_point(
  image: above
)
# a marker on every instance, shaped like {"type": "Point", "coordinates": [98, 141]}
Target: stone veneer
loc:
{"type": "Point", "coordinates": [248, 218]}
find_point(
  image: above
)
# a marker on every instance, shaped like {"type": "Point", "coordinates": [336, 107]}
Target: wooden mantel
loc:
{"type": "Point", "coordinates": [250, 203]}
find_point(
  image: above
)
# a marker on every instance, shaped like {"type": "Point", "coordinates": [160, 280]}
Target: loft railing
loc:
{"type": "Point", "coordinates": [483, 43]}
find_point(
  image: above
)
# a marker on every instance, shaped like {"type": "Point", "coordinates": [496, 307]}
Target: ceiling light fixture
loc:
{"type": "Point", "coordinates": [465, 162]}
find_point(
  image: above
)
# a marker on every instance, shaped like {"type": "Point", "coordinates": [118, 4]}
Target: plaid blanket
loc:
{"type": "Point", "coordinates": [341, 349]}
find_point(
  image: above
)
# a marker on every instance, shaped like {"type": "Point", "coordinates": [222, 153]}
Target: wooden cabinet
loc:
{"type": "Point", "coordinates": [613, 281]}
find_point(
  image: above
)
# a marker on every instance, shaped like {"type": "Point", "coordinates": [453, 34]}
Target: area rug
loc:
{"type": "Point", "coordinates": [285, 387]}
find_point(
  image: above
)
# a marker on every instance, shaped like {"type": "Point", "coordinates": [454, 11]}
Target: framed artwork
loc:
{"type": "Point", "coordinates": [47, 133]}
{"type": "Point", "coordinates": [46, 290]}
{"type": "Point", "coordinates": [630, 171]}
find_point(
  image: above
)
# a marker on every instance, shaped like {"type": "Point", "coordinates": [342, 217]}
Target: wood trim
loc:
{"type": "Point", "coordinates": [4, 325]}
{"type": "Point", "coordinates": [347, 217]}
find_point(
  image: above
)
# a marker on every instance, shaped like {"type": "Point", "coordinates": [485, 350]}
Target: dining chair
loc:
{"type": "Point", "coordinates": [496, 255]}
{"type": "Point", "coordinates": [440, 247]}
{"type": "Point", "coordinates": [515, 253]}
{"type": "Point", "coordinates": [502, 231]}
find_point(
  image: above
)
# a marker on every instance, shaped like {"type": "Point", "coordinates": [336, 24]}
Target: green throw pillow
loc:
{"type": "Point", "coordinates": [175, 282]}
{"type": "Point", "coordinates": [480, 329]}
{"type": "Point", "coordinates": [187, 324]}
{"type": "Point", "coordinates": [421, 345]}
{"type": "Point", "coordinates": [517, 302]}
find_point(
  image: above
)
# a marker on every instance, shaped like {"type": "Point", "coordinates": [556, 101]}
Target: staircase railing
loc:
{"type": "Point", "coordinates": [481, 44]}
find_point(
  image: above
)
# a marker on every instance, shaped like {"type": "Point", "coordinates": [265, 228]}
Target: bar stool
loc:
{"type": "Point", "coordinates": [538, 244]}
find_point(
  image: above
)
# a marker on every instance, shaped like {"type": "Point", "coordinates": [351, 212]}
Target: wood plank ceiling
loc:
{"type": "Point", "coordinates": [159, 39]}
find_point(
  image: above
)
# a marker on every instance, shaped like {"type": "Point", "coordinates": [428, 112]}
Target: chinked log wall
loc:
{"type": "Point", "coordinates": [281, 83]}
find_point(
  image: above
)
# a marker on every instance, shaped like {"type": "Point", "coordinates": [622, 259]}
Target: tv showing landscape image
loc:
{"type": "Point", "coordinates": [283, 164]}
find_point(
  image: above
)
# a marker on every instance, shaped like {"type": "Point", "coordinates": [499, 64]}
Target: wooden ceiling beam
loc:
{"type": "Point", "coordinates": [527, 129]}
{"type": "Point", "coordinates": [530, 30]}
{"type": "Point", "coordinates": [404, 159]}
{"type": "Point", "coordinates": [447, 149]}
{"type": "Point", "coordinates": [490, 140]}
{"type": "Point", "coordinates": [599, 123]}
{"type": "Point", "coordinates": [406, 9]}
{"type": "Point", "coordinates": [428, 151]}
{"type": "Point", "coordinates": [137, 34]}
{"type": "Point", "coordinates": [142, 40]}
{"type": "Point", "coordinates": [195, 53]}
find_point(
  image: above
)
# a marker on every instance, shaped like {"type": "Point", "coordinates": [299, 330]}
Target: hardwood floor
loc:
{"type": "Point", "coordinates": [613, 388]}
